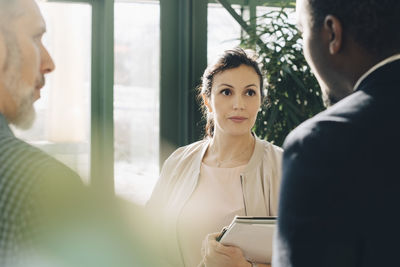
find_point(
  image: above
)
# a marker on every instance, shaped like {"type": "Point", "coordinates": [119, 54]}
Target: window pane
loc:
{"type": "Point", "coordinates": [223, 30]}
{"type": "Point", "coordinates": [262, 10]}
{"type": "Point", "coordinates": [136, 98]}
{"type": "Point", "coordinates": [62, 125]}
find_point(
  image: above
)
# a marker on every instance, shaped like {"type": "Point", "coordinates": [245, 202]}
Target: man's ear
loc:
{"type": "Point", "coordinates": [334, 28]}
{"type": "Point", "coordinates": [206, 102]}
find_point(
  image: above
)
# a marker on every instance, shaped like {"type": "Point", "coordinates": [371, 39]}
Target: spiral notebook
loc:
{"type": "Point", "coordinates": [253, 235]}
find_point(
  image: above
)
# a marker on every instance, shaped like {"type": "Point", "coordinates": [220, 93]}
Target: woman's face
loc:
{"type": "Point", "coordinates": [235, 100]}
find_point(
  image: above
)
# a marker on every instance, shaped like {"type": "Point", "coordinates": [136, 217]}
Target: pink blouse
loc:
{"type": "Point", "coordinates": [214, 203]}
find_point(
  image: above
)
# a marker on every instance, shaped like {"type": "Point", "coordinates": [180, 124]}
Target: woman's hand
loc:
{"type": "Point", "coordinates": [217, 255]}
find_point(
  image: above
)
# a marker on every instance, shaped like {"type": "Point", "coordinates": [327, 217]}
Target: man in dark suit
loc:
{"type": "Point", "coordinates": [340, 190]}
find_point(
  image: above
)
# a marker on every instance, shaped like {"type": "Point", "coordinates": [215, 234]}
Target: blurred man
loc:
{"type": "Point", "coordinates": [31, 182]}
{"type": "Point", "coordinates": [341, 185]}
{"type": "Point", "coordinates": [47, 216]}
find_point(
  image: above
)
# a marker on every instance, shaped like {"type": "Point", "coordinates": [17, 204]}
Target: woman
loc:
{"type": "Point", "coordinates": [231, 172]}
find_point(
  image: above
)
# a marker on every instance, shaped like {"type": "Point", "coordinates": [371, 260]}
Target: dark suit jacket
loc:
{"type": "Point", "coordinates": [340, 194]}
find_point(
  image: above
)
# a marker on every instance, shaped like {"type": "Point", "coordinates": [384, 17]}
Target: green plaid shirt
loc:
{"type": "Point", "coordinates": [23, 171]}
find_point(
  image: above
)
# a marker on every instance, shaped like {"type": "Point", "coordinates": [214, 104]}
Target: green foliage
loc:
{"type": "Point", "coordinates": [292, 92]}
{"type": "Point", "coordinates": [280, 3]}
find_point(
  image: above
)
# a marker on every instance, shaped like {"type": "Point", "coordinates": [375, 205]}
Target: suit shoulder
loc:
{"type": "Point", "coordinates": [305, 131]}
{"type": "Point", "coordinates": [336, 125]}
{"type": "Point", "coordinates": [312, 129]}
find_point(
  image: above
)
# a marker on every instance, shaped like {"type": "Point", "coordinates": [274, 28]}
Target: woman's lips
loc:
{"type": "Point", "coordinates": [237, 119]}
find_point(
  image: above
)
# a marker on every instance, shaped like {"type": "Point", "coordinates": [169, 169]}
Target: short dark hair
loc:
{"type": "Point", "coordinates": [374, 24]}
{"type": "Point", "coordinates": [230, 59]}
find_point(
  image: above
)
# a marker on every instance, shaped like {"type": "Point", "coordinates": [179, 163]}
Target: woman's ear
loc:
{"type": "Point", "coordinates": [206, 102]}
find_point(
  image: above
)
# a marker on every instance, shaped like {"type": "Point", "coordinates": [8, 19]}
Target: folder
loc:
{"type": "Point", "coordinates": [253, 235]}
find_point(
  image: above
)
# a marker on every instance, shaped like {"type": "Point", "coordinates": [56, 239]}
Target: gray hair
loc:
{"type": "Point", "coordinates": [8, 9]}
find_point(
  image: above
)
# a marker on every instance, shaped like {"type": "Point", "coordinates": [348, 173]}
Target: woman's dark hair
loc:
{"type": "Point", "coordinates": [230, 59]}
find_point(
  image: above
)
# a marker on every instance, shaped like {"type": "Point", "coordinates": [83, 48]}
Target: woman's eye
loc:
{"type": "Point", "coordinates": [226, 92]}
{"type": "Point", "coordinates": [251, 92]}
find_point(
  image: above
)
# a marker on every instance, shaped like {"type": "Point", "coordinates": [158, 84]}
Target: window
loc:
{"type": "Point", "coordinates": [223, 30]}
{"type": "Point", "coordinates": [136, 98]}
{"type": "Point", "coordinates": [62, 125]}
{"type": "Point", "coordinates": [261, 10]}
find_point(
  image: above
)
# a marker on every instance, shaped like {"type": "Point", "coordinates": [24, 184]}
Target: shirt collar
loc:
{"type": "Point", "coordinates": [4, 128]}
{"type": "Point", "coordinates": [377, 66]}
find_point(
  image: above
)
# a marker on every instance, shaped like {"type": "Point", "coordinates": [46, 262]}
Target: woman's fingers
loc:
{"type": "Point", "coordinates": [230, 251]}
{"type": "Point", "coordinates": [216, 254]}
{"type": "Point", "coordinates": [213, 236]}
{"type": "Point", "coordinates": [213, 246]}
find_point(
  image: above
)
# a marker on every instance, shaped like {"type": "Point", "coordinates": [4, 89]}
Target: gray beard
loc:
{"type": "Point", "coordinates": [26, 113]}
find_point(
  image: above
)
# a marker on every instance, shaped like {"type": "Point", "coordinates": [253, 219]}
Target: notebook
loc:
{"type": "Point", "coordinates": [253, 235]}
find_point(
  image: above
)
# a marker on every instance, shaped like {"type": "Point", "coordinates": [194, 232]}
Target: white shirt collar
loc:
{"type": "Point", "coordinates": [380, 64]}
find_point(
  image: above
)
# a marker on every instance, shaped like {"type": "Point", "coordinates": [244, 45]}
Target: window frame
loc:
{"type": "Point", "coordinates": [102, 83]}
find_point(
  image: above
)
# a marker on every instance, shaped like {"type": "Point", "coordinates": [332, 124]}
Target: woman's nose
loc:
{"type": "Point", "coordinates": [238, 103]}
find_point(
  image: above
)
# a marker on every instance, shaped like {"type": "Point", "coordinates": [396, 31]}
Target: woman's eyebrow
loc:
{"type": "Point", "coordinates": [225, 84]}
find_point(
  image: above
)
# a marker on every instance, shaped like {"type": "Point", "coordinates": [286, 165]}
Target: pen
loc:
{"type": "Point", "coordinates": [221, 234]}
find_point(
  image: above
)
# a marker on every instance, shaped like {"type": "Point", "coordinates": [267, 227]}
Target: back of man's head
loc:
{"type": "Point", "coordinates": [373, 24]}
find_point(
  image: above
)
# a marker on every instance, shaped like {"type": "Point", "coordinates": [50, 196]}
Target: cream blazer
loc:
{"type": "Point", "coordinates": [260, 186]}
